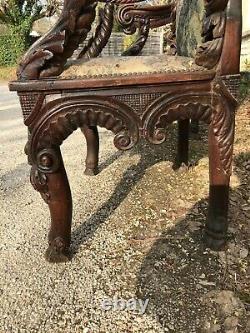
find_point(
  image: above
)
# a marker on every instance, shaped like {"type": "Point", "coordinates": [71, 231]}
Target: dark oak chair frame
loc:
{"type": "Point", "coordinates": [132, 106]}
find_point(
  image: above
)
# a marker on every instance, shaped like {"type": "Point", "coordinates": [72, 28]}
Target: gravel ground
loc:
{"type": "Point", "coordinates": [136, 234]}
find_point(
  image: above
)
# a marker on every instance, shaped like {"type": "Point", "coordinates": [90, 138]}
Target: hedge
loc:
{"type": "Point", "coordinates": [11, 48]}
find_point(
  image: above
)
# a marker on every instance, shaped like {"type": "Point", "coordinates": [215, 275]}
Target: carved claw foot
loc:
{"type": "Point", "coordinates": [57, 251]}
{"type": "Point", "coordinates": [91, 171]}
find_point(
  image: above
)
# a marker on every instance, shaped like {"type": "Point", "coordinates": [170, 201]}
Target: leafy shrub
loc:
{"type": "Point", "coordinates": [12, 47]}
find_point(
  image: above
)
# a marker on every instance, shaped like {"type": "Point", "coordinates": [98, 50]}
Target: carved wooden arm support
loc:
{"type": "Point", "coordinates": [47, 57]}
{"type": "Point", "coordinates": [145, 18]}
{"type": "Point", "coordinates": [221, 35]}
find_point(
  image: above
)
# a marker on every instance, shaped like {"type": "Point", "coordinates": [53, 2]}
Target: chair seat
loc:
{"type": "Point", "coordinates": [119, 66]}
{"type": "Point", "coordinates": [116, 72]}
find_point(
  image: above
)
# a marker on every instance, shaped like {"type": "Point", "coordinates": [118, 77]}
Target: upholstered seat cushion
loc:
{"type": "Point", "coordinates": [110, 66]}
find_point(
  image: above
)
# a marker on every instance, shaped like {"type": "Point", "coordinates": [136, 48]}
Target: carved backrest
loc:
{"type": "Point", "coordinates": [131, 16]}
{"type": "Point", "coordinates": [221, 34]}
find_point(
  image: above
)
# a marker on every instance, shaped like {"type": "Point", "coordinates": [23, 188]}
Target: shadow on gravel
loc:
{"type": "Point", "coordinates": [102, 166]}
{"type": "Point", "coordinates": [15, 178]}
{"type": "Point", "coordinates": [178, 271]}
{"type": "Point", "coordinates": [150, 155]}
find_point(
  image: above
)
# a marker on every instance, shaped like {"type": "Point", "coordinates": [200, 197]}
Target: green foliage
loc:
{"type": "Point", "coordinates": [12, 47]}
{"type": "Point", "coordinates": [18, 16]}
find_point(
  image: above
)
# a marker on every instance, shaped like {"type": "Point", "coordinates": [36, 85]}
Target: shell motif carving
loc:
{"type": "Point", "coordinates": [162, 114]}
{"type": "Point", "coordinates": [63, 116]}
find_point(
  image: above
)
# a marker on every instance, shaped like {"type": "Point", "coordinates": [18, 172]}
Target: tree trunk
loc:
{"type": "Point", "coordinates": [189, 23]}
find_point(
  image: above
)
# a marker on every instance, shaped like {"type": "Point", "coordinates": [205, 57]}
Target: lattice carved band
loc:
{"type": "Point", "coordinates": [138, 102]}
{"type": "Point", "coordinates": [30, 101]}
{"type": "Point", "coordinates": [232, 82]}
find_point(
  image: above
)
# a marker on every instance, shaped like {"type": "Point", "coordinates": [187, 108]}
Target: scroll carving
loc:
{"type": "Point", "coordinates": [213, 30]}
{"type": "Point", "coordinates": [132, 16]}
{"type": "Point", "coordinates": [49, 54]}
{"type": "Point", "coordinates": [167, 110]}
{"type": "Point", "coordinates": [68, 115]}
{"type": "Point", "coordinates": [103, 31]}
{"type": "Point", "coordinates": [212, 109]}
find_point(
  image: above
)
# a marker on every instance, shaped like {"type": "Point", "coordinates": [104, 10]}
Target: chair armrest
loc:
{"type": "Point", "coordinates": [47, 57]}
{"type": "Point", "coordinates": [132, 16]}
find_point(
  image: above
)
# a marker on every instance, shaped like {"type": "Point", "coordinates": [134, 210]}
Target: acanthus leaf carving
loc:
{"type": "Point", "coordinates": [223, 119]}
{"type": "Point", "coordinates": [223, 126]}
{"type": "Point", "coordinates": [39, 182]}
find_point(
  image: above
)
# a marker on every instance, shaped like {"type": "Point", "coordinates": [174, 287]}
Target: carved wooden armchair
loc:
{"type": "Point", "coordinates": [133, 97]}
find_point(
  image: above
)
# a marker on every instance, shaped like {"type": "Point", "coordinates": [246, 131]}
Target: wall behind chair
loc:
{"type": "Point", "coordinates": [245, 49]}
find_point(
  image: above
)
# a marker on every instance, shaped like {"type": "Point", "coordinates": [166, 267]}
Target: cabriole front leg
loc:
{"type": "Point", "coordinates": [221, 136]}
{"type": "Point", "coordinates": [48, 176]}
